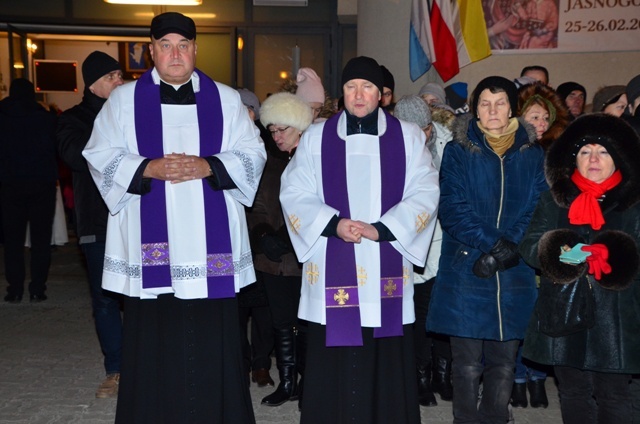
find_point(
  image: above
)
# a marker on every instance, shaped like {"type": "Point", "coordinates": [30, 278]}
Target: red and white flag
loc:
{"type": "Point", "coordinates": [444, 40]}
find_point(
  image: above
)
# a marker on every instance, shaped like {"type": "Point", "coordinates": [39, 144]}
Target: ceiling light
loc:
{"type": "Point", "coordinates": [158, 2]}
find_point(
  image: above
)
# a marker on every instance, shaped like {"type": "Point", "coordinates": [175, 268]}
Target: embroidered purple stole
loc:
{"type": "Point", "coordinates": [157, 270]}
{"type": "Point", "coordinates": [341, 279]}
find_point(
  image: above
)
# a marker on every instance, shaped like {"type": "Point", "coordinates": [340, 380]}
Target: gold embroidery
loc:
{"type": "Point", "coordinates": [219, 264]}
{"type": "Point", "coordinates": [341, 297]}
{"type": "Point", "coordinates": [294, 223]}
{"type": "Point", "coordinates": [312, 273]}
{"type": "Point", "coordinates": [389, 288]}
{"type": "Point", "coordinates": [421, 221]}
{"type": "Point", "coordinates": [362, 276]}
{"type": "Point", "coordinates": [405, 275]}
{"type": "Point", "coordinates": [156, 254]}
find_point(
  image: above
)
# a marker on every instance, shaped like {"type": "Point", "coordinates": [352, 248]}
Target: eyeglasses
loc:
{"type": "Point", "coordinates": [278, 131]}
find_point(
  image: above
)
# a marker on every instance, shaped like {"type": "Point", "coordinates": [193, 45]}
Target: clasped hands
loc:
{"type": "Point", "coordinates": [352, 231]}
{"type": "Point", "coordinates": [177, 168]}
{"type": "Point", "coordinates": [504, 255]}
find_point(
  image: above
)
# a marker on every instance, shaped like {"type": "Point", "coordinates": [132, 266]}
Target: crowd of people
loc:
{"type": "Point", "coordinates": [448, 244]}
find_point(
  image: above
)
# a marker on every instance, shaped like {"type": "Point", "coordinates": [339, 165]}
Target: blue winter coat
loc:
{"type": "Point", "coordinates": [482, 198]}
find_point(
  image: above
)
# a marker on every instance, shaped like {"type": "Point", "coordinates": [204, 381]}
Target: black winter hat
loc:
{"type": "Point", "coordinates": [363, 67]}
{"type": "Point", "coordinates": [387, 77]}
{"type": "Point", "coordinates": [495, 84]}
{"type": "Point", "coordinates": [598, 129]}
{"type": "Point", "coordinates": [97, 65]}
{"type": "Point", "coordinates": [621, 142]}
{"type": "Point", "coordinates": [566, 88]}
{"type": "Point", "coordinates": [172, 22]}
{"type": "Point", "coordinates": [633, 89]}
{"type": "Point", "coordinates": [613, 133]}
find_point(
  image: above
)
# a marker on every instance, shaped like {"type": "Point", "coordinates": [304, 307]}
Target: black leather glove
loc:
{"type": "Point", "coordinates": [273, 247]}
{"type": "Point", "coordinates": [506, 254]}
{"type": "Point", "coordinates": [486, 266]}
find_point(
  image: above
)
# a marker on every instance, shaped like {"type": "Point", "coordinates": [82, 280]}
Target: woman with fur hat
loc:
{"type": "Point", "coordinates": [285, 116]}
{"type": "Point", "coordinates": [490, 179]}
{"type": "Point", "coordinates": [593, 171]}
{"type": "Point", "coordinates": [540, 106]}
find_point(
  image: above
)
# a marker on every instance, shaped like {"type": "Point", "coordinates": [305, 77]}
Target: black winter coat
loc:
{"type": "Point", "coordinates": [265, 217]}
{"type": "Point", "coordinates": [612, 344]}
{"type": "Point", "coordinates": [74, 130]}
{"type": "Point", "coordinates": [27, 140]}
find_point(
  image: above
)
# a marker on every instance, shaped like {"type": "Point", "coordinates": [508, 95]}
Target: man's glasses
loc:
{"type": "Point", "coordinates": [278, 131]}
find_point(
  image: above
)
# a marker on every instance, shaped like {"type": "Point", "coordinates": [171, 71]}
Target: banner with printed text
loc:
{"type": "Point", "coordinates": [562, 26]}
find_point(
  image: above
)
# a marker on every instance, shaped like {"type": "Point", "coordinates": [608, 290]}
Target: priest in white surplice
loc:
{"type": "Point", "coordinates": [176, 157]}
{"type": "Point", "coordinates": [360, 197]}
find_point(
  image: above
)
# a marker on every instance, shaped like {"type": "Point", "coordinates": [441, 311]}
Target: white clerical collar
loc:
{"type": "Point", "coordinates": [195, 79]}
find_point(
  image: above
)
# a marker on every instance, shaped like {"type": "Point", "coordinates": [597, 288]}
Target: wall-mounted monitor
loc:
{"type": "Point", "coordinates": [55, 76]}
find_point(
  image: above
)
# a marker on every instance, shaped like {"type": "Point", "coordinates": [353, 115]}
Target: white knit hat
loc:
{"type": "Point", "coordinates": [309, 86]}
{"type": "Point", "coordinates": [286, 109]}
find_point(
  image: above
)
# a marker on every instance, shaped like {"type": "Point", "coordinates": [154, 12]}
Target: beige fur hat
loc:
{"type": "Point", "coordinates": [309, 86]}
{"type": "Point", "coordinates": [286, 109]}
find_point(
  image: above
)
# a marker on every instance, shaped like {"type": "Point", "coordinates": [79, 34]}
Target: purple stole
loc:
{"type": "Point", "coordinates": [157, 270]}
{"type": "Point", "coordinates": [341, 280]}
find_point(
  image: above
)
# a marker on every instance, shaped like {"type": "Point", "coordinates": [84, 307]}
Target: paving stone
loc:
{"type": "Point", "coordinates": [50, 361]}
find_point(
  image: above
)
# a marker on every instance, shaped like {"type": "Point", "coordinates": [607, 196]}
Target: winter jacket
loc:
{"type": "Point", "coordinates": [74, 129]}
{"type": "Point", "coordinates": [27, 140]}
{"type": "Point", "coordinates": [612, 344]}
{"type": "Point", "coordinates": [484, 198]}
{"type": "Point", "coordinates": [267, 229]}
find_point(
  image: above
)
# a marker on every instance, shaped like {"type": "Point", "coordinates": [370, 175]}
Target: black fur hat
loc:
{"type": "Point", "coordinates": [620, 140]}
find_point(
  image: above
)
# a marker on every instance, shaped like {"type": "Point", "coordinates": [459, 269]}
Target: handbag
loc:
{"type": "Point", "coordinates": [564, 309]}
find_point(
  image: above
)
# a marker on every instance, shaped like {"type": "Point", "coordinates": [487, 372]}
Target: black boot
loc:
{"type": "Point", "coordinates": [301, 360]}
{"type": "Point", "coordinates": [425, 393]}
{"type": "Point", "coordinates": [285, 344]}
{"type": "Point", "coordinates": [538, 394]}
{"type": "Point", "coordinates": [442, 378]}
{"type": "Point", "coordinates": [519, 395]}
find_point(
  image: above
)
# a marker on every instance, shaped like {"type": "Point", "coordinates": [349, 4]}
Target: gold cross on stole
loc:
{"type": "Point", "coordinates": [389, 288]}
{"type": "Point", "coordinates": [341, 297]}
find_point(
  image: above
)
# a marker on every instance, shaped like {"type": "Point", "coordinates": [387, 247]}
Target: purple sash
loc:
{"type": "Point", "coordinates": [157, 270]}
{"type": "Point", "coordinates": [341, 280]}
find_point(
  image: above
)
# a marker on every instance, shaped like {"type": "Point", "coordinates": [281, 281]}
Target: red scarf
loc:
{"type": "Point", "coordinates": [585, 209]}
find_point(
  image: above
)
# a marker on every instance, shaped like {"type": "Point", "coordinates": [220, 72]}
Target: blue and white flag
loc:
{"type": "Point", "coordinates": [421, 51]}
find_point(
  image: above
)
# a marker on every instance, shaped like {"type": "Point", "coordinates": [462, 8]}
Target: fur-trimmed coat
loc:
{"type": "Point", "coordinates": [612, 344]}
{"type": "Point", "coordinates": [484, 198]}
